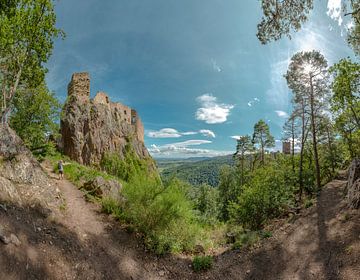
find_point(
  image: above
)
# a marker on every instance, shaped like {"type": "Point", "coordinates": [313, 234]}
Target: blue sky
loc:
{"type": "Point", "coordinates": [193, 69]}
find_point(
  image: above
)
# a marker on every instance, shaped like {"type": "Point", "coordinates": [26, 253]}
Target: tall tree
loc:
{"type": "Point", "coordinates": [27, 31]}
{"type": "Point", "coordinates": [280, 17]}
{"type": "Point", "coordinates": [291, 133]}
{"type": "Point", "coordinates": [263, 138]}
{"type": "Point", "coordinates": [244, 146]}
{"type": "Point", "coordinates": [307, 77]}
{"type": "Point", "coordinates": [34, 117]}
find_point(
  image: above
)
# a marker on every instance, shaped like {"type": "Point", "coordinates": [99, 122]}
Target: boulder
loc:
{"type": "Point", "coordinates": [353, 184]}
{"type": "Point", "coordinates": [22, 179]}
{"type": "Point", "coordinates": [100, 187]}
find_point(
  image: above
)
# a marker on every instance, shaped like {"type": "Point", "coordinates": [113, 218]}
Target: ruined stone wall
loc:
{"type": "Point", "coordinates": [79, 85]}
{"type": "Point", "coordinates": [91, 128]}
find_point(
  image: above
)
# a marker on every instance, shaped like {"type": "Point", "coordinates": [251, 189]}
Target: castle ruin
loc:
{"type": "Point", "coordinates": [90, 128]}
{"type": "Point", "coordinates": [79, 87]}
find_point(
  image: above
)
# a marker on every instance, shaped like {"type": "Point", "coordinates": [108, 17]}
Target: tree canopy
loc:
{"type": "Point", "coordinates": [27, 31]}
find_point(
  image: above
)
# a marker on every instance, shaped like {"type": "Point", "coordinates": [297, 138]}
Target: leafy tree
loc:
{"type": "Point", "coordinates": [354, 32]}
{"type": "Point", "coordinates": [266, 196]}
{"type": "Point", "coordinates": [27, 32]}
{"type": "Point", "coordinates": [34, 118]}
{"type": "Point", "coordinates": [263, 138]}
{"type": "Point", "coordinates": [281, 17]}
{"type": "Point", "coordinates": [206, 200]}
{"type": "Point", "coordinates": [229, 189]}
{"type": "Point", "coordinates": [307, 77]}
{"type": "Point", "coordinates": [291, 132]}
{"type": "Point", "coordinates": [346, 88]}
{"type": "Point", "coordinates": [243, 147]}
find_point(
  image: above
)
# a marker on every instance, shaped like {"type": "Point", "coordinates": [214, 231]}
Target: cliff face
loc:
{"type": "Point", "coordinates": [91, 128]}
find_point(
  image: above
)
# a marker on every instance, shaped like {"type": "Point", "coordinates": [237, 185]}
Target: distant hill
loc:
{"type": "Point", "coordinates": [196, 171]}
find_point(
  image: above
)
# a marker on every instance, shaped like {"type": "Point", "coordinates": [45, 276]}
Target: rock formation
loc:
{"type": "Point", "coordinates": [90, 128]}
{"type": "Point", "coordinates": [353, 184]}
{"type": "Point", "coordinates": [22, 180]}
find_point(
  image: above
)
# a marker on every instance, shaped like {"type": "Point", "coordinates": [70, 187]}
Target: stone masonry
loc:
{"type": "Point", "coordinates": [92, 127]}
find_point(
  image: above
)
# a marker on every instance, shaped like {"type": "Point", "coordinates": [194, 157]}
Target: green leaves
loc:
{"type": "Point", "coordinates": [27, 31]}
{"type": "Point", "coordinates": [35, 115]}
{"type": "Point", "coordinates": [281, 17]}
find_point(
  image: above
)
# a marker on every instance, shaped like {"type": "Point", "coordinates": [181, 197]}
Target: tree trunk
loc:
{"type": "Point", "coordinates": [6, 109]}
{"type": "Point", "coordinates": [313, 126]}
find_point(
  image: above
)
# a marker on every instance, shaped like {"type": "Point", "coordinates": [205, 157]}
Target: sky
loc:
{"type": "Point", "coordinates": [193, 69]}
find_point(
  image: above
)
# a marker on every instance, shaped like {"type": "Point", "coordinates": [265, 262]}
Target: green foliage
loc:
{"type": "Point", "coordinates": [282, 17]}
{"type": "Point", "coordinates": [128, 167]}
{"type": "Point", "coordinates": [246, 239]}
{"type": "Point", "coordinates": [158, 212]}
{"type": "Point", "coordinates": [205, 171]}
{"type": "Point", "coordinates": [202, 263]}
{"type": "Point", "coordinates": [34, 119]}
{"type": "Point", "coordinates": [27, 31]}
{"type": "Point", "coordinates": [229, 189]}
{"type": "Point", "coordinates": [78, 173]}
{"type": "Point", "coordinates": [345, 103]}
{"type": "Point", "coordinates": [262, 137]}
{"type": "Point", "coordinates": [206, 202]}
{"type": "Point", "coordinates": [266, 196]}
{"type": "Point", "coordinates": [111, 206]}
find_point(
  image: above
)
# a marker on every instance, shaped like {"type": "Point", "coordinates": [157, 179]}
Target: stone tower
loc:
{"type": "Point", "coordinates": [79, 85]}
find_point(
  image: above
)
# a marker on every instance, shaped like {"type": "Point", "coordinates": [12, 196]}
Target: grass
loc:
{"type": "Point", "coordinates": [76, 173]}
{"type": "Point", "coordinates": [202, 263]}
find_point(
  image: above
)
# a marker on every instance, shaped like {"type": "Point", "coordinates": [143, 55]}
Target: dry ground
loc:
{"type": "Point", "coordinates": [78, 242]}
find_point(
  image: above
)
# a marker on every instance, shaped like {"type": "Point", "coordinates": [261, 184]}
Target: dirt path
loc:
{"type": "Point", "coordinates": [79, 242]}
{"type": "Point", "coordinates": [324, 243]}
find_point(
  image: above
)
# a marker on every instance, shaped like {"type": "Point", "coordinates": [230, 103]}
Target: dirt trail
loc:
{"type": "Point", "coordinates": [324, 243]}
{"type": "Point", "coordinates": [77, 242]}
{"type": "Point", "coordinates": [81, 243]}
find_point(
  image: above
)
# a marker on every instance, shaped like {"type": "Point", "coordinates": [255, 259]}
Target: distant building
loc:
{"type": "Point", "coordinates": [286, 147]}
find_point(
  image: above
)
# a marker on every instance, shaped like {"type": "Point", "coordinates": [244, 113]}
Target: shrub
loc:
{"type": "Point", "coordinates": [159, 212]}
{"type": "Point", "coordinates": [266, 196]}
{"type": "Point", "coordinates": [202, 263]}
{"type": "Point", "coordinates": [206, 202]}
{"type": "Point", "coordinates": [128, 167]}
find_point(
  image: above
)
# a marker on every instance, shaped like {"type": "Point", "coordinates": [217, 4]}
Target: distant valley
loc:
{"type": "Point", "coordinates": [195, 171]}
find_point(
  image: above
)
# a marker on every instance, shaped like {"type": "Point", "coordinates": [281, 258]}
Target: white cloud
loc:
{"type": "Point", "coordinates": [334, 10]}
{"type": "Point", "coordinates": [189, 133]}
{"type": "Point", "coordinates": [252, 102]}
{"type": "Point", "coordinates": [165, 133]}
{"type": "Point", "coordinates": [215, 66]}
{"type": "Point", "coordinates": [168, 133]}
{"type": "Point", "coordinates": [210, 111]}
{"type": "Point", "coordinates": [236, 137]}
{"type": "Point", "coordinates": [207, 133]}
{"type": "Point", "coordinates": [184, 149]}
{"type": "Point", "coordinates": [281, 114]}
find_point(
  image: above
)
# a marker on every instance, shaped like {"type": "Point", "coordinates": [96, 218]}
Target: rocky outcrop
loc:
{"type": "Point", "coordinates": [22, 180]}
{"type": "Point", "coordinates": [353, 184]}
{"type": "Point", "coordinates": [90, 128]}
{"type": "Point", "coordinates": [101, 187]}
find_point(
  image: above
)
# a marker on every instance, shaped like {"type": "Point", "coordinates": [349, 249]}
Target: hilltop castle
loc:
{"type": "Point", "coordinates": [92, 127]}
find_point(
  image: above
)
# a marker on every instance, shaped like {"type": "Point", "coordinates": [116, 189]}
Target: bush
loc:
{"type": "Point", "coordinates": [127, 168]}
{"type": "Point", "coordinates": [206, 202]}
{"type": "Point", "coordinates": [158, 212]}
{"type": "Point", "coordinates": [266, 196]}
{"type": "Point", "coordinates": [202, 263]}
